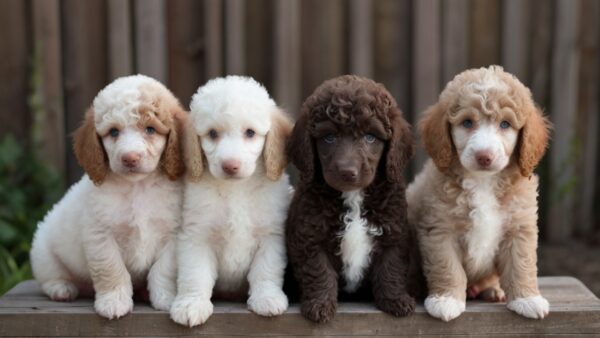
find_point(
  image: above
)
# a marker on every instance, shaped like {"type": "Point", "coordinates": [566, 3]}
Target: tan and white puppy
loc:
{"type": "Point", "coordinates": [474, 204]}
{"type": "Point", "coordinates": [110, 230]}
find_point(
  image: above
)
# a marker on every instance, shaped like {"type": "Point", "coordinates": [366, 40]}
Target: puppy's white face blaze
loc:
{"type": "Point", "coordinates": [232, 151]}
{"type": "Point", "coordinates": [133, 152]}
{"type": "Point", "coordinates": [484, 144]}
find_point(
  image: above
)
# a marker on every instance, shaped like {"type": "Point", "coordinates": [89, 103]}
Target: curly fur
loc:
{"type": "Point", "coordinates": [110, 232]}
{"type": "Point", "coordinates": [474, 224]}
{"type": "Point", "coordinates": [319, 213]}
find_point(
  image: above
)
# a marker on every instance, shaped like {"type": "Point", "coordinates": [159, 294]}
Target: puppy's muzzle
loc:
{"type": "Point", "coordinates": [131, 160]}
{"type": "Point", "coordinates": [484, 158]}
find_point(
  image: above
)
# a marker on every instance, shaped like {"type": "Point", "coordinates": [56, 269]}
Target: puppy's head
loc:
{"type": "Point", "coordinates": [349, 129]}
{"type": "Point", "coordinates": [236, 127]}
{"type": "Point", "coordinates": [483, 120]}
{"type": "Point", "coordinates": [131, 130]}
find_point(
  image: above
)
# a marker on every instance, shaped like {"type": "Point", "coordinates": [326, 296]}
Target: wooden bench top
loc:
{"type": "Point", "coordinates": [26, 312]}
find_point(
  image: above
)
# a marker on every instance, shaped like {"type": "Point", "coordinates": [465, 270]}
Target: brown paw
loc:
{"type": "Point", "coordinates": [318, 310]}
{"type": "Point", "coordinates": [399, 307]}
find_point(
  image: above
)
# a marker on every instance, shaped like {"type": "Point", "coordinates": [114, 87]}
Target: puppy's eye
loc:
{"type": "Point", "coordinates": [329, 138]}
{"type": "Point", "coordinates": [250, 133]}
{"type": "Point", "coordinates": [213, 134]}
{"type": "Point", "coordinates": [370, 138]}
{"type": "Point", "coordinates": [504, 125]}
{"type": "Point", "coordinates": [150, 130]}
{"type": "Point", "coordinates": [113, 132]}
{"type": "Point", "coordinates": [468, 123]}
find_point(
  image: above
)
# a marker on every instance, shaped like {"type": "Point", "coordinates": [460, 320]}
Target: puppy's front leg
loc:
{"type": "Point", "coordinates": [112, 282]}
{"type": "Point", "coordinates": [389, 281]}
{"type": "Point", "coordinates": [517, 264]}
{"type": "Point", "coordinates": [197, 273]}
{"type": "Point", "coordinates": [162, 283]}
{"type": "Point", "coordinates": [266, 277]}
{"type": "Point", "coordinates": [446, 277]}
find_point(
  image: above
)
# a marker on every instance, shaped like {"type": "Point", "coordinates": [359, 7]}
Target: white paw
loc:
{"type": "Point", "coordinates": [445, 308]}
{"type": "Point", "coordinates": [536, 307]}
{"type": "Point", "coordinates": [268, 304]}
{"type": "Point", "coordinates": [114, 304]}
{"type": "Point", "coordinates": [60, 290]}
{"type": "Point", "coordinates": [191, 311]}
{"type": "Point", "coordinates": [161, 299]}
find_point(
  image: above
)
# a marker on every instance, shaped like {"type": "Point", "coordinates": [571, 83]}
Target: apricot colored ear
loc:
{"type": "Point", "coordinates": [435, 131]}
{"type": "Point", "coordinates": [192, 151]}
{"type": "Point", "coordinates": [89, 151]}
{"type": "Point", "coordinates": [172, 162]}
{"type": "Point", "coordinates": [533, 141]}
{"type": "Point", "coordinates": [274, 151]}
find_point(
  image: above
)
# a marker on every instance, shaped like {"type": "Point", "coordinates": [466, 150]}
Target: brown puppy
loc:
{"type": "Point", "coordinates": [347, 222]}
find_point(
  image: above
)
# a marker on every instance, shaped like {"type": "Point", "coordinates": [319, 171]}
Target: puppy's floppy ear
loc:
{"type": "Point", "coordinates": [192, 151]}
{"type": "Point", "coordinates": [89, 151]}
{"type": "Point", "coordinates": [274, 151]}
{"type": "Point", "coordinates": [401, 148]}
{"type": "Point", "coordinates": [300, 149]}
{"type": "Point", "coordinates": [435, 130]}
{"type": "Point", "coordinates": [533, 141]}
{"type": "Point", "coordinates": [171, 158]}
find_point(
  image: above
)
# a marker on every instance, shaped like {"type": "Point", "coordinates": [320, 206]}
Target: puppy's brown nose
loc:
{"type": "Point", "coordinates": [231, 167]}
{"type": "Point", "coordinates": [484, 158]}
{"type": "Point", "coordinates": [349, 174]}
{"type": "Point", "coordinates": [131, 160]}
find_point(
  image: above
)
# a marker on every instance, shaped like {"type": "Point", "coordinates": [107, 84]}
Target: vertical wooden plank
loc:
{"type": "Point", "coordinates": [14, 68]}
{"type": "Point", "coordinates": [393, 46]}
{"type": "Point", "coordinates": [287, 76]}
{"type": "Point", "coordinates": [84, 63]}
{"type": "Point", "coordinates": [427, 61]}
{"type": "Point", "coordinates": [47, 42]}
{"type": "Point", "coordinates": [150, 38]}
{"type": "Point", "coordinates": [213, 28]}
{"type": "Point", "coordinates": [455, 38]}
{"type": "Point", "coordinates": [323, 42]}
{"type": "Point", "coordinates": [235, 52]}
{"type": "Point", "coordinates": [185, 41]}
{"type": "Point", "coordinates": [565, 71]}
{"type": "Point", "coordinates": [120, 44]}
{"type": "Point", "coordinates": [541, 50]}
{"type": "Point", "coordinates": [258, 26]}
{"type": "Point", "coordinates": [485, 33]}
{"type": "Point", "coordinates": [361, 37]}
{"type": "Point", "coordinates": [589, 109]}
{"type": "Point", "coordinates": [516, 37]}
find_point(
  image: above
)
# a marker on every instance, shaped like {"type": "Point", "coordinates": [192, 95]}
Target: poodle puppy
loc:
{"type": "Point", "coordinates": [474, 204]}
{"type": "Point", "coordinates": [232, 236]}
{"type": "Point", "coordinates": [112, 228]}
{"type": "Point", "coordinates": [347, 222]}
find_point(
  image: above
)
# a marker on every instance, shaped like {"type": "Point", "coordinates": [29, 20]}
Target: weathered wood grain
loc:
{"type": "Point", "coordinates": [516, 36]}
{"type": "Point", "coordinates": [235, 34]}
{"type": "Point", "coordinates": [455, 36]}
{"type": "Point", "coordinates": [120, 39]}
{"type": "Point", "coordinates": [485, 33]}
{"type": "Point", "coordinates": [213, 28]}
{"type": "Point", "coordinates": [361, 37]}
{"type": "Point", "coordinates": [25, 311]}
{"type": "Point", "coordinates": [287, 73]}
{"type": "Point", "coordinates": [150, 38]}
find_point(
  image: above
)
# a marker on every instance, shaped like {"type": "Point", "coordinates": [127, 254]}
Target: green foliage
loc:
{"type": "Point", "coordinates": [28, 188]}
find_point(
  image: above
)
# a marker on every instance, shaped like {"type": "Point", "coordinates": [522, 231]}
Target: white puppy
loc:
{"type": "Point", "coordinates": [111, 227]}
{"type": "Point", "coordinates": [232, 237]}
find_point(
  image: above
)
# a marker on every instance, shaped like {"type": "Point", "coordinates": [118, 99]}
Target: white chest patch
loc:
{"type": "Point", "coordinates": [357, 242]}
{"type": "Point", "coordinates": [486, 231]}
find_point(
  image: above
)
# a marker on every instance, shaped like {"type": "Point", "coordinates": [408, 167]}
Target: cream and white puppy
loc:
{"type": "Point", "coordinates": [112, 227]}
{"type": "Point", "coordinates": [232, 237]}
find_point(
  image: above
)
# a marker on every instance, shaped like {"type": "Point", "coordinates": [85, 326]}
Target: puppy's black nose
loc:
{"type": "Point", "coordinates": [349, 175]}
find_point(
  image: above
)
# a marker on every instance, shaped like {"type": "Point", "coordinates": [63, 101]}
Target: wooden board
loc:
{"type": "Point", "coordinates": [26, 312]}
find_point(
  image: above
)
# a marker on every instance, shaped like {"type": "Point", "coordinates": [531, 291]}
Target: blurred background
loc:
{"type": "Point", "coordinates": [55, 55]}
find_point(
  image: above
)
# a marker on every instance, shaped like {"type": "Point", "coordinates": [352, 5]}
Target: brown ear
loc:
{"type": "Point", "coordinates": [435, 131]}
{"type": "Point", "coordinates": [89, 151]}
{"type": "Point", "coordinates": [534, 141]}
{"type": "Point", "coordinates": [401, 148]}
{"type": "Point", "coordinates": [192, 151]}
{"type": "Point", "coordinates": [171, 159]}
{"type": "Point", "coordinates": [274, 151]}
{"type": "Point", "coordinates": [300, 149]}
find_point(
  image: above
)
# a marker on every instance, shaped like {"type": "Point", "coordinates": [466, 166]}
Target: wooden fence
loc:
{"type": "Point", "coordinates": [58, 53]}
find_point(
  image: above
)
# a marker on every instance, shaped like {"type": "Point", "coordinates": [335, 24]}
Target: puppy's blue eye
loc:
{"type": "Point", "coordinates": [213, 134]}
{"type": "Point", "coordinates": [329, 138]}
{"type": "Point", "coordinates": [370, 138]}
{"type": "Point", "coordinates": [150, 130]}
{"type": "Point", "coordinates": [504, 125]}
{"type": "Point", "coordinates": [250, 133]}
{"type": "Point", "coordinates": [468, 123]}
{"type": "Point", "coordinates": [114, 132]}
